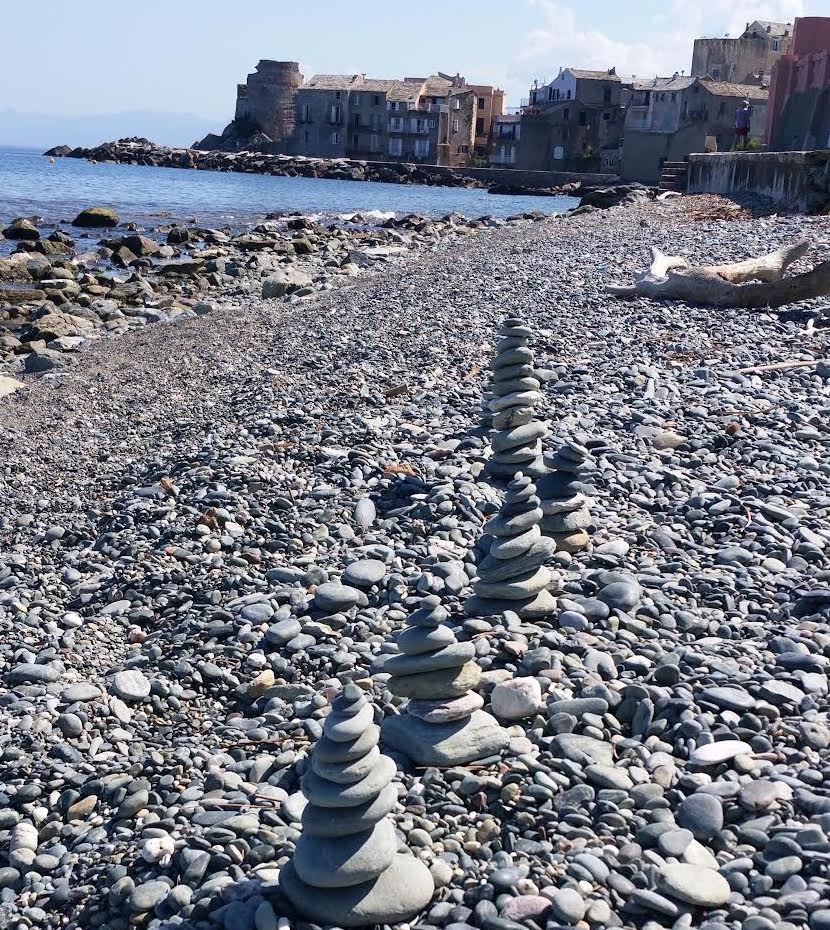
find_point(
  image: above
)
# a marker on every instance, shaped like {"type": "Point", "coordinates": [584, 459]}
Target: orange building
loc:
{"type": "Point", "coordinates": [489, 105]}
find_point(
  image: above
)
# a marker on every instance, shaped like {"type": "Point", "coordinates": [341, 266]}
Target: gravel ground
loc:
{"type": "Point", "coordinates": [173, 504]}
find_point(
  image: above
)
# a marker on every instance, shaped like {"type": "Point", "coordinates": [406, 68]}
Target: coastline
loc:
{"type": "Point", "coordinates": [173, 498]}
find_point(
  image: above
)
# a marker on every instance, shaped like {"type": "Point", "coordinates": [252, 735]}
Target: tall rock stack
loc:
{"type": "Point", "coordinates": [346, 870]}
{"type": "Point", "coordinates": [517, 437]}
{"type": "Point", "coordinates": [565, 494]}
{"type": "Point", "coordinates": [513, 575]}
{"type": "Point", "coordinates": [443, 723]}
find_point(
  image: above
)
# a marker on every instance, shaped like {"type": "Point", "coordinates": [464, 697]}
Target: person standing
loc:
{"type": "Point", "coordinates": [743, 115]}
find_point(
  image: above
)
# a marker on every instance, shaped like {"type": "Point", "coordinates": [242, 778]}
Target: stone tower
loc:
{"type": "Point", "coordinates": [267, 98]}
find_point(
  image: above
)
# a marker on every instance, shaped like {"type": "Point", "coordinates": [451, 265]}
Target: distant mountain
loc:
{"type": "Point", "coordinates": [39, 130]}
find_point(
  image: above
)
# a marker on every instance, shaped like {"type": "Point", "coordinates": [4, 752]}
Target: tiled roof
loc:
{"type": "Point", "coordinates": [404, 90]}
{"type": "Point", "coordinates": [437, 86]}
{"type": "Point", "coordinates": [331, 81]}
{"type": "Point", "coordinates": [376, 85]}
{"type": "Point", "coordinates": [592, 75]}
{"type": "Point", "coordinates": [680, 82]}
{"type": "Point", "coordinates": [768, 28]}
{"type": "Point", "coordinates": [726, 89]}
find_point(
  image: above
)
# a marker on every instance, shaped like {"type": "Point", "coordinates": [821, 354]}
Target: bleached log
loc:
{"type": "Point", "coordinates": [672, 278]}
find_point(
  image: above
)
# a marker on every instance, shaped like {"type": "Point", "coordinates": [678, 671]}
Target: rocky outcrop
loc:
{"type": "Point", "coordinates": [96, 217]}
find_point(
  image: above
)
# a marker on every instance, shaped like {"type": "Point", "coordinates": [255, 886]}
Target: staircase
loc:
{"type": "Point", "coordinates": [675, 176]}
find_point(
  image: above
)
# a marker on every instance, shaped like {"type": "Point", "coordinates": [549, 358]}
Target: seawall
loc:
{"type": "Point", "coordinates": [797, 180]}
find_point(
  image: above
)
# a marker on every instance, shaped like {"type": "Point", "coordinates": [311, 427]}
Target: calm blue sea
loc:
{"type": "Point", "coordinates": [31, 185]}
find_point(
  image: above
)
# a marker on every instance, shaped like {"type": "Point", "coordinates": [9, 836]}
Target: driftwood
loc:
{"type": "Point", "coordinates": [671, 277]}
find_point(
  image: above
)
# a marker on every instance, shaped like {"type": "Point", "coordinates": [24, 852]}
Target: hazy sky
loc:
{"type": "Point", "coordinates": [186, 56]}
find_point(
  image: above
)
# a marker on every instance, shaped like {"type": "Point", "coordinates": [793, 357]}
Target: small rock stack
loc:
{"type": "Point", "coordinates": [565, 496]}
{"type": "Point", "coordinates": [513, 575]}
{"type": "Point", "coordinates": [443, 723]}
{"type": "Point", "coordinates": [346, 870]}
{"type": "Point", "coordinates": [517, 437]}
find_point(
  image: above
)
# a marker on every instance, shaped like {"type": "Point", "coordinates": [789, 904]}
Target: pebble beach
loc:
{"type": "Point", "coordinates": [211, 526]}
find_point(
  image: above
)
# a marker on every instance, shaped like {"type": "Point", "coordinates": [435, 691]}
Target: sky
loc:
{"type": "Point", "coordinates": [177, 62]}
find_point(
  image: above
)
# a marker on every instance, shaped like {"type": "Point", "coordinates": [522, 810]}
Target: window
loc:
{"type": "Point", "coordinates": [374, 143]}
{"type": "Point", "coordinates": [355, 119]}
{"type": "Point", "coordinates": [606, 116]}
{"type": "Point", "coordinates": [421, 148]}
{"type": "Point", "coordinates": [456, 104]}
{"type": "Point", "coordinates": [550, 93]}
{"type": "Point", "coordinates": [396, 124]}
{"type": "Point", "coordinates": [355, 141]}
{"type": "Point", "coordinates": [566, 113]}
{"type": "Point", "coordinates": [463, 149]}
{"type": "Point", "coordinates": [775, 45]}
{"type": "Point", "coordinates": [583, 118]}
{"type": "Point", "coordinates": [480, 126]}
{"type": "Point", "coordinates": [337, 95]}
{"type": "Point", "coordinates": [335, 138]}
{"type": "Point", "coordinates": [395, 146]}
{"type": "Point", "coordinates": [606, 95]}
{"type": "Point", "coordinates": [356, 100]}
{"type": "Point", "coordinates": [431, 124]}
{"type": "Point", "coordinates": [722, 108]}
{"type": "Point", "coordinates": [306, 136]}
{"type": "Point", "coordinates": [375, 100]}
{"type": "Point", "coordinates": [455, 125]}
{"type": "Point", "coordinates": [391, 104]}
{"type": "Point", "coordinates": [481, 103]}
{"type": "Point", "coordinates": [569, 96]}
{"type": "Point", "coordinates": [335, 113]}
{"type": "Point", "coordinates": [305, 113]}
{"type": "Point", "coordinates": [673, 98]}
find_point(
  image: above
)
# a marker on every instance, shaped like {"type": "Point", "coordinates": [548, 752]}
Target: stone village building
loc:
{"type": "Point", "coordinates": [747, 59]}
{"type": "Point", "coordinates": [489, 107]}
{"type": "Point", "coordinates": [668, 118]}
{"type": "Point", "coordinates": [568, 123]}
{"type": "Point", "coordinates": [429, 120]}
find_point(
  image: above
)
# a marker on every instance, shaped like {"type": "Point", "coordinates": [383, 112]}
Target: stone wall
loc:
{"type": "Point", "coordinates": [797, 180]}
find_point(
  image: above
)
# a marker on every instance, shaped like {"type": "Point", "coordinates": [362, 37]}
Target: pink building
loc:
{"type": "Point", "coordinates": [798, 117]}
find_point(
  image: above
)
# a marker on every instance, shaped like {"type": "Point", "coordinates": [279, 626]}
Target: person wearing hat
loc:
{"type": "Point", "coordinates": [742, 118]}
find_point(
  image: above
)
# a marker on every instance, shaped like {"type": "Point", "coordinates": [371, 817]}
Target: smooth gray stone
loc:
{"type": "Point", "coordinates": [518, 356]}
{"type": "Point", "coordinates": [735, 699]}
{"type": "Point", "coordinates": [514, 371]}
{"type": "Point", "coordinates": [516, 589]}
{"type": "Point", "coordinates": [532, 467]}
{"type": "Point", "coordinates": [515, 399]}
{"type": "Point", "coordinates": [364, 573]}
{"type": "Point", "coordinates": [720, 751]}
{"type": "Point", "coordinates": [536, 608]}
{"type": "Point", "coordinates": [518, 436]}
{"type": "Point", "coordinates": [579, 748]}
{"type": "Point", "coordinates": [446, 683]}
{"type": "Point", "coordinates": [492, 569]}
{"type": "Point", "coordinates": [330, 751]}
{"type": "Point", "coordinates": [564, 505]}
{"type": "Point", "coordinates": [518, 454]}
{"type": "Point", "coordinates": [694, 884]}
{"type": "Point", "coordinates": [30, 673]}
{"type": "Point", "coordinates": [515, 327]}
{"type": "Point", "coordinates": [416, 640]}
{"type": "Point", "coordinates": [513, 416]}
{"type": "Point", "coordinates": [568, 542]}
{"type": "Point", "coordinates": [343, 821]}
{"type": "Point", "coordinates": [432, 615]}
{"type": "Point", "coordinates": [513, 526]}
{"type": "Point", "coordinates": [397, 895]}
{"type": "Point", "coordinates": [131, 685]}
{"type": "Point", "coordinates": [327, 794]}
{"type": "Point", "coordinates": [346, 860]}
{"type": "Point", "coordinates": [452, 656]}
{"type": "Point", "coordinates": [624, 595]}
{"type": "Point", "coordinates": [499, 388]}
{"type": "Point", "coordinates": [453, 743]}
{"type": "Point", "coordinates": [511, 547]}
{"type": "Point", "coordinates": [334, 597]}
{"type": "Point", "coordinates": [345, 773]}
{"type": "Point", "coordinates": [509, 342]}
{"type": "Point", "coordinates": [341, 727]}
{"type": "Point", "coordinates": [567, 522]}
{"type": "Point", "coordinates": [447, 710]}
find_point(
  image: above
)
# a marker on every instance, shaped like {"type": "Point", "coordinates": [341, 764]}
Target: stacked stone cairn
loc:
{"type": "Point", "coordinates": [565, 494]}
{"type": "Point", "coordinates": [516, 439]}
{"type": "Point", "coordinates": [346, 869]}
{"type": "Point", "coordinates": [443, 723]}
{"type": "Point", "coordinates": [513, 575]}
